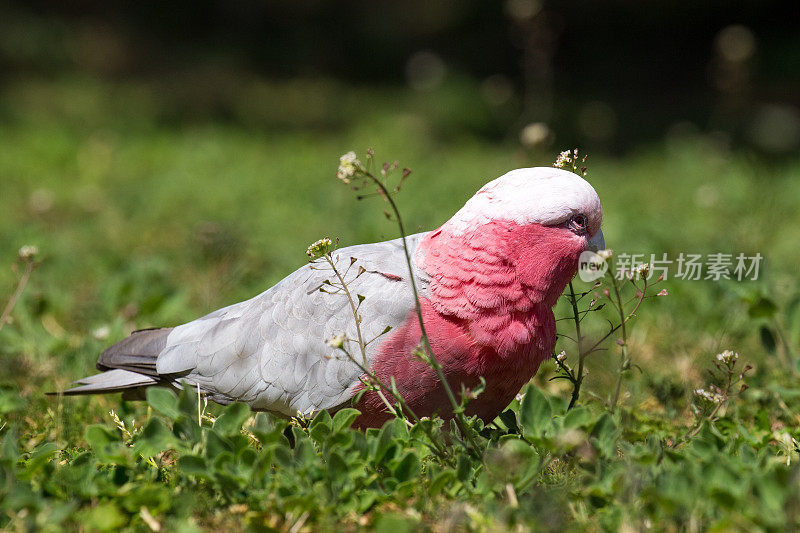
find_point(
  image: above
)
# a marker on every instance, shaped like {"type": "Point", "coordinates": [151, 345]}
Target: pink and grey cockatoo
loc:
{"type": "Point", "coordinates": [488, 279]}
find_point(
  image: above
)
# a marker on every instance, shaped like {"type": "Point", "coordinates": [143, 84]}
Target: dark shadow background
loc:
{"type": "Point", "coordinates": [608, 74]}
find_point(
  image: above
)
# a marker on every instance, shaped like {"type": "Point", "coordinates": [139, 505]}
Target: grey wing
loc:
{"type": "Point", "coordinates": [270, 351]}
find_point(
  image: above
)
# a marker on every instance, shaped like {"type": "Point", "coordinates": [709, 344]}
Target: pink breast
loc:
{"type": "Point", "coordinates": [464, 360]}
{"type": "Point", "coordinates": [488, 313]}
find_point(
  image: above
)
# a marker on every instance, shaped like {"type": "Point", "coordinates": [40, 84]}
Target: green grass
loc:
{"type": "Point", "coordinates": [144, 220]}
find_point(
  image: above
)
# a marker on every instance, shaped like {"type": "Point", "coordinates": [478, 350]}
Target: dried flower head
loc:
{"type": "Point", "coordinates": [348, 166]}
{"type": "Point", "coordinates": [28, 252]}
{"type": "Point", "coordinates": [319, 248]}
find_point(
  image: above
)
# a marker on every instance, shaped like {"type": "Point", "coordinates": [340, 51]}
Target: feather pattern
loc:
{"type": "Point", "coordinates": [488, 314]}
{"type": "Point", "coordinates": [261, 351]}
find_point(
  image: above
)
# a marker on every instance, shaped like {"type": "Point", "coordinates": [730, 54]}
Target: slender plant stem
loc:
{"type": "Point", "coordinates": [618, 326]}
{"type": "Point", "coordinates": [418, 307]}
{"type": "Point", "coordinates": [624, 351]}
{"type": "Point", "coordinates": [694, 431]}
{"type": "Point", "coordinates": [353, 308]}
{"type": "Point", "coordinates": [21, 284]}
{"type": "Point", "coordinates": [437, 446]}
{"type": "Point", "coordinates": [784, 349]}
{"type": "Point", "coordinates": [437, 367]}
{"type": "Point", "coordinates": [373, 378]}
{"type": "Point", "coordinates": [578, 378]}
{"type": "Point", "coordinates": [361, 344]}
{"type": "Point", "coordinates": [199, 411]}
{"type": "Point", "coordinates": [710, 416]}
{"type": "Point", "coordinates": [624, 362]}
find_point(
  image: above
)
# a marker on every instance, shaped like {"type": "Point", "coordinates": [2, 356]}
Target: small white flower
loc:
{"type": "Point", "coordinates": [337, 341]}
{"type": "Point", "coordinates": [605, 254]}
{"type": "Point", "coordinates": [560, 357]}
{"type": "Point", "coordinates": [643, 269]}
{"type": "Point", "coordinates": [662, 292]}
{"type": "Point", "coordinates": [519, 397]}
{"type": "Point", "coordinates": [709, 396]}
{"type": "Point", "coordinates": [28, 252]}
{"type": "Point", "coordinates": [348, 165]}
{"type": "Point", "coordinates": [319, 248]}
{"type": "Point", "coordinates": [727, 357]}
{"type": "Point", "coordinates": [564, 159]}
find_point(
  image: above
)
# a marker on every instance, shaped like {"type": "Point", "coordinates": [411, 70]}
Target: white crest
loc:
{"type": "Point", "coordinates": [539, 195]}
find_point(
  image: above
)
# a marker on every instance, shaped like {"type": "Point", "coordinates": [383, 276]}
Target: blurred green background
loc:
{"type": "Point", "coordinates": [169, 159]}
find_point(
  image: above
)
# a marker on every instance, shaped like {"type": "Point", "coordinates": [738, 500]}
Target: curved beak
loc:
{"type": "Point", "coordinates": [597, 242]}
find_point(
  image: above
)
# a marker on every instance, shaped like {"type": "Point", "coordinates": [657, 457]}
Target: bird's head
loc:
{"type": "Point", "coordinates": [543, 218]}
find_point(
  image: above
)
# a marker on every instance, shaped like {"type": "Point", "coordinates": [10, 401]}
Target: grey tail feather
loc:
{"type": "Point", "coordinates": [137, 353]}
{"type": "Point", "coordinates": [129, 364]}
{"type": "Point", "coordinates": [113, 380]}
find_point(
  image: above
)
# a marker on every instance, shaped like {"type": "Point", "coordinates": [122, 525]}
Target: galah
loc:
{"type": "Point", "coordinates": [488, 279]}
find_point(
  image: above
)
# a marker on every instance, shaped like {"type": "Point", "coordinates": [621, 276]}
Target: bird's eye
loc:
{"type": "Point", "coordinates": [579, 223]}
